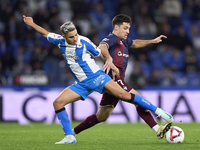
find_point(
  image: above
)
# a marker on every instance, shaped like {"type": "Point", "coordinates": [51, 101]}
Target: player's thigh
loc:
{"type": "Point", "coordinates": [114, 89]}
{"type": "Point", "coordinates": [104, 112]}
{"type": "Point", "coordinates": [67, 96]}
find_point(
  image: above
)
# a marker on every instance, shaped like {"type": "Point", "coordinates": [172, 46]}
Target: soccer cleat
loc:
{"type": "Point", "coordinates": [162, 130]}
{"type": "Point", "coordinates": [69, 139]}
{"type": "Point", "coordinates": [166, 116]}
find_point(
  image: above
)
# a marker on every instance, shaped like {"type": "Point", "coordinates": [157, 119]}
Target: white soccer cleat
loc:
{"type": "Point", "coordinates": [166, 116]}
{"type": "Point", "coordinates": [162, 130]}
{"type": "Point", "coordinates": [69, 139]}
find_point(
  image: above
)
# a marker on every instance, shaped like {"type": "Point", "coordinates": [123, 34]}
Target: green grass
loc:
{"type": "Point", "coordinates": [138, 136]}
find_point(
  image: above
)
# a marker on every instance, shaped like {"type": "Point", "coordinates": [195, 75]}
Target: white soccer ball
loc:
{"type": "Point", "coordinates": [174, 135]}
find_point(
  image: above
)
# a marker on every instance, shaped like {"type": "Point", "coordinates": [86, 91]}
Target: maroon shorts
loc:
{"type": "Point", "coordinates": [108, 99]}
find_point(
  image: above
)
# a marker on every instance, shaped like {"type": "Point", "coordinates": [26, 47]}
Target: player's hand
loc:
{"type": "Point", "coordinates": [158, 39]}
{"type": "Point", "coordinates": [115, 72]}
{"type": "Point", "coordinates": [28, 20]}
{"type": "Point", "coordinates": [107, 66]}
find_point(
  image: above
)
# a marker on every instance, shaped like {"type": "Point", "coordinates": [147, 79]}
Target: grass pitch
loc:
{"type": "Point", "coordinates": [137, 136]}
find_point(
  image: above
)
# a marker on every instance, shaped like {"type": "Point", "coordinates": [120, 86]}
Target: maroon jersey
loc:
{"type": "Point", "coordinates": [118, 50]}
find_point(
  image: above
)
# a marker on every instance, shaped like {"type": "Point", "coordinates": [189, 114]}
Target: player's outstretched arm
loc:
{"type": "Point", "coordinates": [143, 43]}
{"type": "Point", "coordinates": [29, 21]}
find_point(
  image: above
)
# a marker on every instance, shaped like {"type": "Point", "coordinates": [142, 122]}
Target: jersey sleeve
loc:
{"type": "Point", "coordinates": [54, 38]}
{"type": "Point", "coordinates": [109, 41]}
{"type": "Point", "coordinates": [92, 48]}
{"type": "Point", "coordinates": [129, 42]}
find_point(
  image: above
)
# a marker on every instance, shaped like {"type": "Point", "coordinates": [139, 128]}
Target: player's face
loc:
{"type": "Point", "coordinates": [123, 30]}
{"type": "Point", "coordinates": [71, 37]}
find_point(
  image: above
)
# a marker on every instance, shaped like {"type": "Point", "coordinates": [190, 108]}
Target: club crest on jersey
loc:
{"type": "Point", "coordinates": [79, 45]}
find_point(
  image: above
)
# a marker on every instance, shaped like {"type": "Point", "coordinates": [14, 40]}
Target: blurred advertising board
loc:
{"type": "Point", "coordinates": [37, 106]}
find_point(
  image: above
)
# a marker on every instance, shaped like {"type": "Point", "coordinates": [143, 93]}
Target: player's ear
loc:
{"type": "Point", "coordinates": [116, 27]}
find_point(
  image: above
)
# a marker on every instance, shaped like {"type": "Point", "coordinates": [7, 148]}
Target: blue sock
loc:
{"type": "Point", "coordinates": [64, 121]}
{"type": "Point", "coordinates": [138, 100]}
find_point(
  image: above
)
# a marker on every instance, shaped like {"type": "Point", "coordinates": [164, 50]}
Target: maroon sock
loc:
{"type": "Point", "coordinates": [87, 123]}
{"type": "Point", "coordinates": [146, 116]}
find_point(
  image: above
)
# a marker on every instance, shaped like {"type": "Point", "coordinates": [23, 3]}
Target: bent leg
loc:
{"type": "Point", "coordinates": [102, 115]}
{"type": "Point", "coordinates": [65, 97]}
{"type": "Point", "coordinates": [114, 89]}
{"type": "Point", "coordinates": [104, 112]}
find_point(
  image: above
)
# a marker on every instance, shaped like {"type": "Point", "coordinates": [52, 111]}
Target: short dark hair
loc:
{"type": "Point", "coordinates": [119, 19]}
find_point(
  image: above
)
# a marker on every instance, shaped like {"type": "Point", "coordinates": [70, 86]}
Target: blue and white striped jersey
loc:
{"type": "Point", "coordinates": [78, 57]}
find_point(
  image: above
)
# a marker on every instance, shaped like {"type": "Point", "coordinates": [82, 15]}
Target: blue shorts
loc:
{"type": "Point", "coordinates": [91, 84]}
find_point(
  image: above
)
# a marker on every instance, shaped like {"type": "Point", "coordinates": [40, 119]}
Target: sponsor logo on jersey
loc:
{"type": "Point", "coordinates": [56, 36]}
{"type": "Point", "coordinates": [105, 39]}
{"type": "Point", "coordinates": [120, 54]}
{"type": "Point", "coordinates": [70, 54]}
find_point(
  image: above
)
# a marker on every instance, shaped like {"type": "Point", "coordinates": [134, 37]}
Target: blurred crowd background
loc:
{"type": "Point", "coordinates": [174, 62]}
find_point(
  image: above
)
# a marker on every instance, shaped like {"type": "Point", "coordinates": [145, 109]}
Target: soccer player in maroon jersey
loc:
{"type": "Point", "coordinates": [118, 44]}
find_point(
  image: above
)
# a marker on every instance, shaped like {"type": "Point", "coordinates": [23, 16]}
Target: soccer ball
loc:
{"type": "Point", "coordinates": [174, 135]}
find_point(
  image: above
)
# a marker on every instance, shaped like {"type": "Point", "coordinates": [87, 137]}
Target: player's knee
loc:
{"type": "Point", "coordinates": [56, 104]}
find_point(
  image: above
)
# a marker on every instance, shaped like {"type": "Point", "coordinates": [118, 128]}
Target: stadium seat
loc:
{"type": "Point", "coordinates": [193, 78]}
